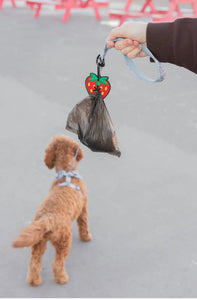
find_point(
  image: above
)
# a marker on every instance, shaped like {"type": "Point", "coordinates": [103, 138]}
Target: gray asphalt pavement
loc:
{"type": "Point", "coordinates": [142, 206]}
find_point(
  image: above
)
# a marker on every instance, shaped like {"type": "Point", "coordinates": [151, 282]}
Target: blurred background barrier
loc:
{"type": "Point", "coordinates": [150, 9]}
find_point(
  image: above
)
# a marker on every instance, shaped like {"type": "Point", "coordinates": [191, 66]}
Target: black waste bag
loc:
{"type": "Point", "coordinates": [91, 121]}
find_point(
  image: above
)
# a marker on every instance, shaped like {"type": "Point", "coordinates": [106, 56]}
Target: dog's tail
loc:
{"type": "Point", "coordinates": [32, 234]}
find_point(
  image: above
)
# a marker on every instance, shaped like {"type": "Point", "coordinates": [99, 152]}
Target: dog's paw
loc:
{"type": "Point", "coordinates": [34, 281]}
{"type": "Point", "coordinates": [62, 279]}
{"type": "Point", "coordinates": [86, 238]}
{"type": "Point", "coordinates": [59, 273]}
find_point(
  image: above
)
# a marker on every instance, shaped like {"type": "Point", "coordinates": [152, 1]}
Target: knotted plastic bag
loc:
{"type": "Point", "coordinates": [91, 121]}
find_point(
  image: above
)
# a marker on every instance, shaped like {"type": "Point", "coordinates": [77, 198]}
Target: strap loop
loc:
{"type": "Point", "coordinates": [132, 66]}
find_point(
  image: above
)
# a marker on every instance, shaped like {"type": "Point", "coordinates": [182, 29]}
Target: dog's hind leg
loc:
{"type": "Point", "coordinates": [82, 223]}
{"type": "Point", "coordinates": [62, 247]}
{"type": "Point", "coordinates": [35, 264]}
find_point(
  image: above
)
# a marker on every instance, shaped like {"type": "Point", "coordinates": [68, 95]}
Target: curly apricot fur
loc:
{"type": "Point", "coordinates": [54, 216]}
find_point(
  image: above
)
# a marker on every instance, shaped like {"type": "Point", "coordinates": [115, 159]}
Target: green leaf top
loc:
{"type": "Point", "coordinates": [98, 80]}
{"type": "Point", "coordinates": [94, 77]}
{"type": "Point", "coordinates": [103, 81]}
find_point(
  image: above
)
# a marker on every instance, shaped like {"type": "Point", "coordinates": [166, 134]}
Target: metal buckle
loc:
{"type": "Point", "coordinates": [100, 62]}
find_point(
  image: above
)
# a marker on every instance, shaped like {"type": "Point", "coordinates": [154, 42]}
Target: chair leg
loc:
{"type": "Point", "coordinates": [1, 4]}
{"type": "Point", "coordinates": [127, 6]}
{"type": "Point", "coordinates": [31, 6]}
{"type": "Point", "coordinates": [122, 20]}
{"type": "Point", "coordinates": [194, 6]}
{"type": "Point", "coordinates": [126, 11]}
{"type": "Point", "coordinates": [169, 15]}
{"type": "Point", "coordinates": [66, 15]}
{"type": "Point", "coordinates": [69, 5]}
{"type": "Point", "coordinates": [148, 3]}
{"type": "Point", "coordinates": [178, 11]}
{"type": "Point", "coordinates": [98, 16]}
{"type": "Point", "coordinates": [13, 3]}
{"type": "Point", "coordinates": [37, 12]}
{"type": "Point", "coordinates": [152, 6]}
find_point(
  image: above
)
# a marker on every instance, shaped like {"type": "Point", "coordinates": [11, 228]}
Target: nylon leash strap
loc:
{"type": "Point", "coordinates": [131, 64]}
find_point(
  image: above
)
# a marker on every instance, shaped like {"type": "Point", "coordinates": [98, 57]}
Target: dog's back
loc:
{"type": "Point", "coordinates": [61, 206]}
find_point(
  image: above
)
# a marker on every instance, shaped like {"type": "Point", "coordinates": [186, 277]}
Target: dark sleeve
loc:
{"type": "Point", "coordinates": [174, 42]}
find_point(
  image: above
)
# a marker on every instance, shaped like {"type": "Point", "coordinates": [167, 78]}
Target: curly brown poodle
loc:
{"type": "Point", "coordinates": [54, 216]}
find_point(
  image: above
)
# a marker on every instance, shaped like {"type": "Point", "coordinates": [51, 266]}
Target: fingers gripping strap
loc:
{"type": "Point", "coordinates": [133, 67]}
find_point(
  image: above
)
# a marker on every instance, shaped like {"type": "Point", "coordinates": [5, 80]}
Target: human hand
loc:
{"type": "Point", "coordinates": [134, 34]}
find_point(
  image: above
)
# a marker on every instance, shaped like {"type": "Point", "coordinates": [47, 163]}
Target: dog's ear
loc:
{"type": "Point", "coordinates": [80, 154]}
{"type": "Point", "coordinates": [50, 155]}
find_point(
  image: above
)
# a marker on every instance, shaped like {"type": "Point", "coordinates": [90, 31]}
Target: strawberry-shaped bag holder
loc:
{"type": "Point", "coordinates": [90, 119]}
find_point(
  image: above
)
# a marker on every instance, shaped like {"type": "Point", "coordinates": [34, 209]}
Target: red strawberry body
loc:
{"type": "Point", "coordinates": [101, 83]}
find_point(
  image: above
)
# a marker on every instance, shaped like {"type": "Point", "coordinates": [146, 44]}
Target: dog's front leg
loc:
{"type": "Point", "coordinates": [82, 222]}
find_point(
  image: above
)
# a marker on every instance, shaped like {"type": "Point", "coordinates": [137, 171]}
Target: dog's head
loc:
{"type": "Point", "coordinates": [60, 153]}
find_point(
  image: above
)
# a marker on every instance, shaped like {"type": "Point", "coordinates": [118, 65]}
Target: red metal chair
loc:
{"type": "Point", "coordinates": [123, 15]}
{"type": "Point", "coordinates": [170, 14]}
{"type": "Point", "coordinates": [67, 5]}
{"type": "Point", "coordinates": [1, 3]}
{"type": "Point", "coordinates": [175, 12]}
